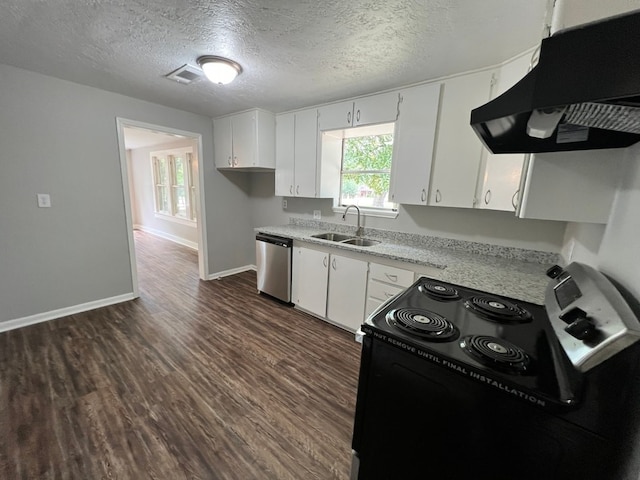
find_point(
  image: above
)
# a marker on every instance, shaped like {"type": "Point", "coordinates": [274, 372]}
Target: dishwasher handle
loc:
{"type": "Point", "coordinates": [275, 240]}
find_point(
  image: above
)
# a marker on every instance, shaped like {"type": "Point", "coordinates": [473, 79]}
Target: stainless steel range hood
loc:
{"type": "Point", "coordinates": [583, 94]}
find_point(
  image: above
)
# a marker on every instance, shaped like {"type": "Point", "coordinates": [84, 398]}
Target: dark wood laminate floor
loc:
{"type": "Point", "coordinates": [198, 380]}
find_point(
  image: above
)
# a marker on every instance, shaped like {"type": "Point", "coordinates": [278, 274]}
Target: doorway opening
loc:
{"type": "Point", "coordinates": [163, 180]}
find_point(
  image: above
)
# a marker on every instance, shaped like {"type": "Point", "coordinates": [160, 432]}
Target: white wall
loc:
{"type": "Point", "coordinates": [484, 226]}
{"type": "Point", "coordinates": [614, 248]}
{"type": "Point", "coordinates": [60, 138]}
{"type": "Point", "coordinates": [142, 195]}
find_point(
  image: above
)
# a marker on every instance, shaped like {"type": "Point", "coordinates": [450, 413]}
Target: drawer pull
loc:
{"type": "Point", "coordinates": [487, 197]}
{"type": "Point", "coordinates": [393, 278]}
{"type": "Point", "coordinates": [388, 295]}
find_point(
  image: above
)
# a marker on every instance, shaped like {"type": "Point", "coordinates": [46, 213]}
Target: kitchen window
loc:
{"type": "Point", "coordinates": [365, 171]}
{"type": "Point", "coordinates": [174, 190]}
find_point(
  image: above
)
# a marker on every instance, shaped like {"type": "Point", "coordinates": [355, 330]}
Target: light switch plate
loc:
{"type": "Point", "coordinates": [317, 214]}
{"type": "Point", "coordinates": [44, 200]}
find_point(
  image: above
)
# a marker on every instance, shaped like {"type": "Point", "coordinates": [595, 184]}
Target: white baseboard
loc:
{"type": "Point", "coordinates": [233, 271]}
{"type": "Point", "coordinates": [167, 236]}
{"type": "Point", "coordinates": [63, 312]}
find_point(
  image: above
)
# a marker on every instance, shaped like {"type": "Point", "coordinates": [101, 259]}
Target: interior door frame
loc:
{"type": "Point", "coordinates": [203, 256]}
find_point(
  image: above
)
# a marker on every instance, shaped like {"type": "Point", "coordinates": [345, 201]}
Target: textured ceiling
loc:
{"type": "Point", "coordinates": [294, 53]}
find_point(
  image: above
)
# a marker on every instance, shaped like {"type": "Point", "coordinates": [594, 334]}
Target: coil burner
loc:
{"type": "Point", "coordinates": [423, 323]}
{"type": "Point", "coordinates": [438, 291]}
{"type": "Point", "coordinates": [497, 309]}
{"type": "Point", "coordinates": [496, 353]}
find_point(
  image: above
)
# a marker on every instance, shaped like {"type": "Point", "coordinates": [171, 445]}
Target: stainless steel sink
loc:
{"type": "Point", "coordinates": [332, 236]}
{"type": "Point", "coordinates": [361, 242]}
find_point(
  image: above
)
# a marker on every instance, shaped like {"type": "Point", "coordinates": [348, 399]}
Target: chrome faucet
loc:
{"type": "Point", "coordinates": [359, 230]}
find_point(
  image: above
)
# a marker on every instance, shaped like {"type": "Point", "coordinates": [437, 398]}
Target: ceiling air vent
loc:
{"type": "Point", "coordinates": [185, 74]}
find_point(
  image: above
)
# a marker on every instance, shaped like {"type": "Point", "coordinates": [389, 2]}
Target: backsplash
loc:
{"type": "Point", "coordinates": [426, 241]}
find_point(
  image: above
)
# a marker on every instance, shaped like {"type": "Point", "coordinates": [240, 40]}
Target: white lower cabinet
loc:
{"type": "Point", "coordinates": [342, 289]}
{"type": "Point", "coordinates": [347, 290]}
{"type": "Point", "coordinates": [310, 280]}
{"type": "Point", "coordinates": [385, 282]}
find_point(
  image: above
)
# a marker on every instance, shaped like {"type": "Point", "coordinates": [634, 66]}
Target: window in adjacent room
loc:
{"type": "Point", "coordinates": [174, 188]}
{"type": "Point", "coordinates": [365, 173]}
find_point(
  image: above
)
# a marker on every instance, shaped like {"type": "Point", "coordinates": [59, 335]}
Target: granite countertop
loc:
{"type": "Point", "coordinates": [512, 272]}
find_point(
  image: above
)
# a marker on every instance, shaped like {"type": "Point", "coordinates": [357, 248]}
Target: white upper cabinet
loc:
{"type": "Point", "coordinates": [375, 109]}
{"type": "Point", "coordinates": [222, 142]}
{"type": "Point", "coordinates": [458, 151]}
{"type": "Point", "coordinates": [306, 153]}
{"type": "Point", "coordinates": [245, 141]}
{"type": "Point", "coordinates": [336, 116]}
{"type": "Point", "coordinates": [499, 178]}
{"type": "Point", "coordinates": [285, 154]}
{"type": "Point", "coordinates": [413, 143]}
{"type": "Point", "coordinates": [299, 173]}
{"type": "Point", "coordinates": [382, 108]}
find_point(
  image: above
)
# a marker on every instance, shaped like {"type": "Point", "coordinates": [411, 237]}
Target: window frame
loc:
{"type": "Point", "coordinates": [371, 130]}
{"type": "Point", "coordinates": [171, 185]}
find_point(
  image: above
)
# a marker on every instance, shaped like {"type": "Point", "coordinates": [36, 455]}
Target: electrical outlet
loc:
{"type": "Point", "coordinates": [317, 214]}
{"type": "Point", "coordinates": [44, 200]}
{"type": "Point", "coordinates": [284, 203]}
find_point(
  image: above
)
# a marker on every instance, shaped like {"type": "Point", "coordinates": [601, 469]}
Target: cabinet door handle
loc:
{"type": "Point", "coordinates": [291, 189]}
{"type": "Point", "coordinates": [297, 189]}
{"type": "Point", "coordinates": [487, 197]}
{"type": "Point", "coordinates": [423, 195]}
{"type": "Point", "coordinates": [388, 295]}
{"type": "Point", "coordinates": [333, 263]}
{"type": "Point", "coordinates": [229, 160]}
{"type": "Point", "coordinates": [235, 160]}
{"type": "Point", "coordinates": [514, 199]}
{"type": "Point", "coordinates": [438, 196]}
{"type": "Point", "coordinates": [324, 261]}
{"type": "Point", "coordinates": [349, 118]}
{"type": "Point", "coordinates": [358, 115]}
{"type": "Point", "coordinates": [393, 278]}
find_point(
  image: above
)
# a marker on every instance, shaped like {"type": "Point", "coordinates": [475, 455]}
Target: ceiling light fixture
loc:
{"type": "Point", "coordinates": [219, 70]}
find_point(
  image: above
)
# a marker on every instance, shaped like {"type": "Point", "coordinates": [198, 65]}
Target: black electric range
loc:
{"type": "Point", "coordinates": [457, 383]}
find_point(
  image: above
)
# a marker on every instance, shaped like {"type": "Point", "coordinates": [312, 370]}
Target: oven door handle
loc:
{"type": "Point", "coordinates": [359, 333]}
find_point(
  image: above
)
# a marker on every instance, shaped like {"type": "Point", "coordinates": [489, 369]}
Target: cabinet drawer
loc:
{"type": "Point", "coordinates": [392, 275]}
{"type": "Point", "coordinates": [372, 304]}
{"type": "Point", "coordinates": [382, 291]}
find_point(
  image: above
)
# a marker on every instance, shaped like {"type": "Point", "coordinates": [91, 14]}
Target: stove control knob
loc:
{"type": "Point", "coordinates": [582, 329]}
{"type": "Point", "coordinates": [572, 315]}
{"type": "Point", "coordinates": [555, 271]}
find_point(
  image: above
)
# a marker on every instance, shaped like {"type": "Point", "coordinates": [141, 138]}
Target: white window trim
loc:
{"type": "Point", "coordinates": [379, 129]}
{"type": "Point", "coordinates": [369, 212]}
{"type": "Point", "coordinates": [187, 153]}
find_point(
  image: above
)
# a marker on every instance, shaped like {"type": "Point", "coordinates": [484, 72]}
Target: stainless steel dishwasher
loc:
{"type": "Point", "coordinates": [273, 262]}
